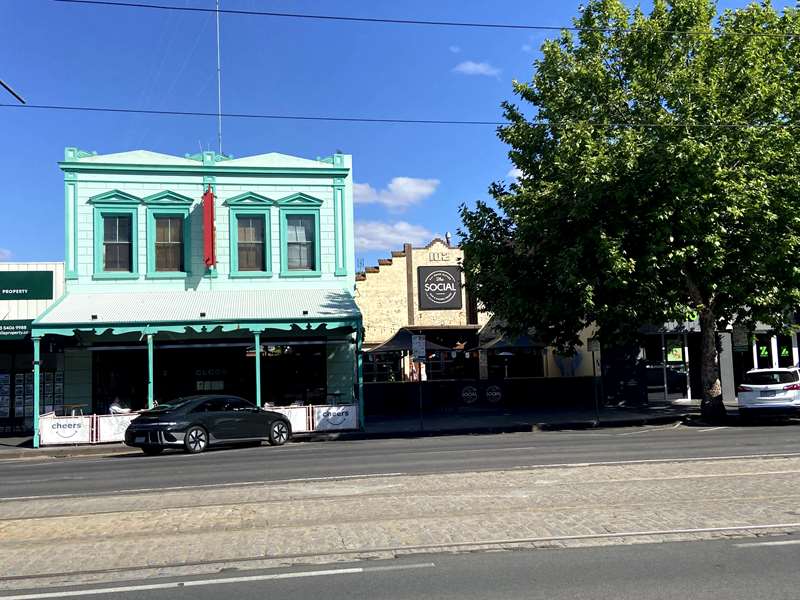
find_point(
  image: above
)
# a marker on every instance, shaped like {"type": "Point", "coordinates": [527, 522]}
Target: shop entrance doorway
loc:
{"type": "Point", "coordinates": [119, 374]}
{"type": "Point", "coordinates": [294, 373]}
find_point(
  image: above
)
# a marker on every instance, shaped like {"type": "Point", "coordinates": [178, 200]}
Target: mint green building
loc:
{"type": "Point", "coordinates": [147, 316]}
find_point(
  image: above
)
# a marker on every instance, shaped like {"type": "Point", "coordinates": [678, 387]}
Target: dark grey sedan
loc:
{"type": "Point", "coordinates": [196, 422]}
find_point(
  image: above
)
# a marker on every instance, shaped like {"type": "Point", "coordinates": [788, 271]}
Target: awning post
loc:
{"type": "Point", "coordinates": [150, 396]}
{"type": "Point", "coordinates": [36, 392]}
{"type": "Point", "coordinates": [257, 336]}
{"type": "Point", "coordinates": [360, 374]}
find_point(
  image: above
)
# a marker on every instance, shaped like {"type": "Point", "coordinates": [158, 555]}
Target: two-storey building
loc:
{"type": "Point", "coordinates": [206, 273]}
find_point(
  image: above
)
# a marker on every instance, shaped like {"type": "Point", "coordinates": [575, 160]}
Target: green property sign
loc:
{"type": "Point", "coordinates": [26, 285]}
{"type": "Point", "coordinates": [14, 330]}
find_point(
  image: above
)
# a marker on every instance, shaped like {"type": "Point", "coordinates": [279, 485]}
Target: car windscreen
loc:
{"type": "Point", "coordinates": [770, 377]}
{"type": "Point", "coordinates": [173, 404]}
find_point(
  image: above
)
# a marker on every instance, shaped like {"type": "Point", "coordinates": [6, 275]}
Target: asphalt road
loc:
{"type": "Point", "coordinates": [134, 471]}
{"type": "Point", "coordinates": [752, 568]}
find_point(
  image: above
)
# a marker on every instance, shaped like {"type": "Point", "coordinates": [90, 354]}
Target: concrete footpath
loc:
{"type": "Point", "coordinates": [16, 447]}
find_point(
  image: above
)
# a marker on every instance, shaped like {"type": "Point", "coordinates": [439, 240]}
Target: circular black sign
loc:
{"type": "Point", "coordinates": [469, 394]}
{"type": "Point", "coordinates": [494, 394]}
{"type": "Point", "coordinates": [440, 287]}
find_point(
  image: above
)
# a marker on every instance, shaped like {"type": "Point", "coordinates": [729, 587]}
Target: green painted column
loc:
{"type": "Point", "coordinates": [258, 367]}
{"type": "Point", "coordinates": [339, 232]}
{"type": "Point", "coordinates": [36, 393]}
{"type": "Point", "coordinates": [150, 396]}
{"type": "Point", "coordinates": [360, 374]}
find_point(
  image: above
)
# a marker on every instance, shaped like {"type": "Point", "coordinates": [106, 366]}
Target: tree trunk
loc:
{"type": "Point", "coordinates": [712, 409]}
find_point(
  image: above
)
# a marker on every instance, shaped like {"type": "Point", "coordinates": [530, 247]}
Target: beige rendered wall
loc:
{"type": "Point", "coordinates": [437, 254]}
{"type": "Point", "coordinates": [381, 298]}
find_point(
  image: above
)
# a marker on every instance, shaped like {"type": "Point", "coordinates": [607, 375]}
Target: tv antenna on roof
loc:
{"type": "Point", "coordinates": [219, 88]}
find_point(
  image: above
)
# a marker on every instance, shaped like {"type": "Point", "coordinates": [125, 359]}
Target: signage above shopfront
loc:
{"type": "Point", "coordinates": [439, 288]}
{"type": "Point", "coordinates": [14, 330]}
{"type": "Point", "coordinates": [26, 285]}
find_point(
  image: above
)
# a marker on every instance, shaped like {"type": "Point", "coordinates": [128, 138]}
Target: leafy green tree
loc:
{"type": "Point", "coordinates": [660, 179]}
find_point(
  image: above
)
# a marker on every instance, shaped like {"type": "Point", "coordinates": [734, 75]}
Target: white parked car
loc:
{"type": "Point", "coordinates": [770, 392]}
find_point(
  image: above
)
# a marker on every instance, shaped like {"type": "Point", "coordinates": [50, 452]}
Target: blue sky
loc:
{"type": "Point", "coordinates": [410, 178]}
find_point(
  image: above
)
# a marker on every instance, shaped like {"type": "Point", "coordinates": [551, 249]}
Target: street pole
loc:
{"type": "Point", "coordinates": [419, 381]}
{"type": "Point", "coordinates": [594, 382]}
{"type": "Point", "coordinates": [418, 350]}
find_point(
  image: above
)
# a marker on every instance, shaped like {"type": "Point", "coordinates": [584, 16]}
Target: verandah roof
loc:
{"type": "Point", "coordinates": [174, 311]}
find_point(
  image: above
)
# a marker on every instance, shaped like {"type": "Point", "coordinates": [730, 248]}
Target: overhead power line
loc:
{"type": "Point", "coordinates": [11, 91]}
{"type": "Point", "coordinates": [396, 121]}
{"type": "Point", "coordinates": [259, 13]}
{"type": "Point", "coordinates": [186, 113]}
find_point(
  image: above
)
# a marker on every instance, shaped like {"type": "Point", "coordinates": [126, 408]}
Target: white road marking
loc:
{"type": "Point", "coordinates": [647, 430]}
{"type": "Point", "coordinates": [591, 536]}
{"type": "Point", "coordinates": [710, 429]}
{"type": "Point", "coordinates": [219, 581]}
{"type": "Point", "coordinates": [757, 544]}
{"type": "Point", "coordinates": [647, 461]}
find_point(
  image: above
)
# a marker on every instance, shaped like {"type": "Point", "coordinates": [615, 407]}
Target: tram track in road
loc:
{"type": "Point", "coordinates": [364, 495]}
{"type": "Point", "coordinates": [394, 552]}
{"type": "Point", "coordinates": [427, 455]}
{"type": "Point", "coordinates": [344, 521]}
{"type": "Point", "coordinates": [278, 482]}
{"type": "Point", "coordinates": [327, 519]}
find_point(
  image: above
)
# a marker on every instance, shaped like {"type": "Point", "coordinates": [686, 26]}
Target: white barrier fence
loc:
{"type": "Point", "coordinates": [306, 419]}
{"type": "Point", "coordinates": [111, 428]}
{"type": "Point", "coordinates": [101, 429]}
{"type": "Point", "coordinates": [65, 430]}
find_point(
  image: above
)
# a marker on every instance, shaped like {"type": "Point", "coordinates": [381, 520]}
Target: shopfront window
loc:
{"type": "Point", "coordinates": [251, 243]}
{"type": "Point", "coordinates": [169, 244]}
{"type": "Point", "coordinates": [117, 244]}
{"type": "Point", "coordinates": [666, 369]}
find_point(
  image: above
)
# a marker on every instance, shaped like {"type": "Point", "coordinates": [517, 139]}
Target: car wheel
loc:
{"type": "Point", "coordinates": [196, 440]}
{"type": "Point", "coordinates": [278, 433]}
{"type": "Point", "coordinates": [152, 450]}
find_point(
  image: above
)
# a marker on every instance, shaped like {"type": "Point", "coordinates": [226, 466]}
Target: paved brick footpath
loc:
{"type": "Point", "coordinates": [200, 530]}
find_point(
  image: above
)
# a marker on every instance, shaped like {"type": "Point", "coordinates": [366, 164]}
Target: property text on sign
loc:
{"type": "Point", "coordinates": [26, 285]}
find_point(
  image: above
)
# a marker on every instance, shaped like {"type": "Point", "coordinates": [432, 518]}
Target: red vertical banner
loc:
{"type": "Point", "coordinates": [209, 234]}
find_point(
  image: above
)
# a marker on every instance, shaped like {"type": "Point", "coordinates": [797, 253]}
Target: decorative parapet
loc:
{"type": "Point", "coordinates": [72, 153]}
{"type": "Point", "coordinates": [336, 160]}
{"type": "Point", "coordinates": [382, 262]}
{"type": "Point", "coordinates": [208, 157]}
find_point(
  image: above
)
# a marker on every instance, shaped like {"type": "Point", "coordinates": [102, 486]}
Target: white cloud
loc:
{"type": "Point", "coordinates": [5, 254]}
{"type": "Point", "coordinates": [401, 193]}
{"type": "Point", "coordinates": [455, 49]}
{"type": "Point", "coordinates": [375, 235]}
{"type": "Point", "coordinates": [469, 67]}
{"type": "Point", "coordinates": [514, 173]}
{"type": "Point", "coordinates": [527, 48]}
